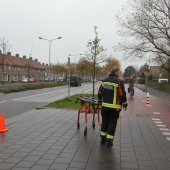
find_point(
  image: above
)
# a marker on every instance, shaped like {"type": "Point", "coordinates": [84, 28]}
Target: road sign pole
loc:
{"type": "Point", "coordinates": [68, 78]}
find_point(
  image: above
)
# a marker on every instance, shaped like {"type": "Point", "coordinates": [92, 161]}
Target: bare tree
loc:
{"type": "Point", "coordinates": [4, 47]}
{"type": "Point", "coordinates": [147, 24]}
{"type": "Point", "coordinates": [28, 70]}
{"type": "Point", "coordinates": [59, 69]}
{"type": "Point", "coordinates": [85, 68]}
{"type": "Point", "coordinates": [95, 53]}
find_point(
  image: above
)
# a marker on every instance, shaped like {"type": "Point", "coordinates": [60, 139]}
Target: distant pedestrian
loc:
{"type": "Point", "coordinates": [112, 94]}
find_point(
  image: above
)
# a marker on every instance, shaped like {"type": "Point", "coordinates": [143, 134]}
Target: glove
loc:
{"type": "Point", "coordinates": [99, 102]}
{"type": "Point", "coordinates": [125, 106]}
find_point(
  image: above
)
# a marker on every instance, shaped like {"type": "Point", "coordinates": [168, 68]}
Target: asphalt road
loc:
{"type": "Point", "coordinates": [16, 103]}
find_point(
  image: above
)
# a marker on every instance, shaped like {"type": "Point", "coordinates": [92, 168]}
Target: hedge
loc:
{"type": "Point", "coordinates": [160, 86]}
{"type": "Point", "coordinates": [31, 86]}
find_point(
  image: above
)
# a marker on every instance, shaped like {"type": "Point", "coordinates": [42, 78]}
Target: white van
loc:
{"type": "Point", "coordinates": [162, 80]}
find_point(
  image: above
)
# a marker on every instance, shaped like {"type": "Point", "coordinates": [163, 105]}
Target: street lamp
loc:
{"type": "Point", "coordinates": [75, 55]}
{"type": "Point", "coordinates": [50, 41]}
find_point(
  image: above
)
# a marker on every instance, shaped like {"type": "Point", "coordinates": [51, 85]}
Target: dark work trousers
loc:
{"type": "Point", "coordinates": [109, 120]}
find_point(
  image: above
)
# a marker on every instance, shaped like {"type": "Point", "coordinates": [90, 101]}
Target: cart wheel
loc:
{"type": "Point", "coordinates": [85, 132]}
{"type": "Point", "coordinates": [78, 125]}
{"type": "Point", "coordinates": [93, 125]}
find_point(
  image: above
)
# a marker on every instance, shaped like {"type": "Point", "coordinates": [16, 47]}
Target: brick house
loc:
{"type": "Point", "coordinates": [15, 68]}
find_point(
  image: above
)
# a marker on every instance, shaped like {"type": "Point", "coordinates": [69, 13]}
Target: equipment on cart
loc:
{"type": "Point", "coordinates": [88, 105]}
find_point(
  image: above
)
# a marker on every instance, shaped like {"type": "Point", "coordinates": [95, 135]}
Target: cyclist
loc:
{"type": "Point", "coordinates": [131, 82]}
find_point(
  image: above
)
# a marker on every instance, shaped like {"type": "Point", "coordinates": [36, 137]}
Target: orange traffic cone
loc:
{"type": "Point", "coordinates": [2, 123]}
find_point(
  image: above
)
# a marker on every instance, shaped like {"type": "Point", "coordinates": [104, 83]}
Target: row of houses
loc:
{"type": "Point", "coordinates": [16, 68]}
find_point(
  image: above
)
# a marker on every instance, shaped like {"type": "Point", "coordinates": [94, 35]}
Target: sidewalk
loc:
{"type": "Point", "coordinates": [158, 93]}
{"type": "Point", "coordinates": [49, 139]}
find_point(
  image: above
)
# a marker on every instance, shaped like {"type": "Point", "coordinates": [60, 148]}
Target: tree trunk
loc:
{"type": "Point", "coordinates": [168, 65]}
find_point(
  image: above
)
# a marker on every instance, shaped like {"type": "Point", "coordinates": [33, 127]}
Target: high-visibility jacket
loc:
{"type": "Point", "coordinates": [112, 93]}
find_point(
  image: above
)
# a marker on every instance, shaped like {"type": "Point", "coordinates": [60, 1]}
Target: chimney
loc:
{"type": "Point", "coordinates": [46, 64]}
{"type": "Point", "coordinates": [30, 58]}
{"type": "Point", "coordinates": [17, 55]}
{"type": "Point", "coordinates": [24, 57]}
{"type": "Point", "coordinates": [36, 60]}
{"type": "Point", "coordinates": [43, 64]}
{"type": "Point", "coordinates": [9, 53]}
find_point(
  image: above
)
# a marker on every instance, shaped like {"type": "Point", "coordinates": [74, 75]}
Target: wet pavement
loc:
{"type": "Point", "coordinates": [49, 139]}
{"type": "Point", "coordinates": [158, 93]}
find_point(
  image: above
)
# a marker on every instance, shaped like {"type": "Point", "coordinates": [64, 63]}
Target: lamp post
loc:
{"type": "Point", "coordinates": [50, 42]}
{"type": "Point", "coordinates": [75, 55]}
{"type": "Point", "coordinates": [68, 64]}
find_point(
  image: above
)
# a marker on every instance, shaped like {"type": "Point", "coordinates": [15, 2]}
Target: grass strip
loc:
{"type": "Point", "coordinates": [67, 104]}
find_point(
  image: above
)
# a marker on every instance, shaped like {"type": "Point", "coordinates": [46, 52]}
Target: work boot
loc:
{"type": "Point", "coordinates": [109, 143]}
{"type": "Point", "coordinates": [103, 140]}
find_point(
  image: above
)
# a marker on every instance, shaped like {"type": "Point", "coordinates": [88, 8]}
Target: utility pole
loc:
{"type": "Point", "coordinates": [146, 76]}
{"type": "Point", "coordinates": [68, 78]}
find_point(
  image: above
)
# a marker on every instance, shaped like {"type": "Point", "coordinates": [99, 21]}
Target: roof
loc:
{"type": "Point", "coordinates": [21, 62]}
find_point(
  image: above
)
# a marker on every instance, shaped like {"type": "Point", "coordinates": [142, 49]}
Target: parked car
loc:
{"type": "Point", "coordinates": [24, 80]}
{"type": "Point", "coordinates": [59, 79]}
{"type": "Point", "coordinates": [162, 80]}
{"type": "Point", "coordinates": [32, 80]}
{"type": "Point", "coordinates": [75, 81]}
{"type": "Point", "coordinates": [94, 80]}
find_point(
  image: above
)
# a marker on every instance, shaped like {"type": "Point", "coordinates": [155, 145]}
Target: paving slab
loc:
{"type": "Point", "coordinates": [49, 139]}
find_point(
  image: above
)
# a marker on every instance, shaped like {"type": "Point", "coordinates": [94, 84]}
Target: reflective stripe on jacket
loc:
{"type": "Point", "coordinates": [112, 93]}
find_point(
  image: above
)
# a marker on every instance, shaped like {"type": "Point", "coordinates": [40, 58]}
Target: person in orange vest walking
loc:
{"type": "Point", "coordinates": [112, 96]}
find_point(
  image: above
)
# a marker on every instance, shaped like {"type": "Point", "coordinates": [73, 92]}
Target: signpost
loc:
{"type": "Point", "coordinates": [68, 78]}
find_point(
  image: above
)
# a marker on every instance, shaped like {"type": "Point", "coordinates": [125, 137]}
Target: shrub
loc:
{"type": "Point", "coordinates": [24, 87]}
{"type": "Point", "coordinates": [141, 80]}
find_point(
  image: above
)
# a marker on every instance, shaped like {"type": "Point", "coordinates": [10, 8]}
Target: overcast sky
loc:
{"type": "Point", "coordinates": [22, 21]}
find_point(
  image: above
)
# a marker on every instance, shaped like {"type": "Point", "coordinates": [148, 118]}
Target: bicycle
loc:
{"type": "Point", "coordinates": [131, 90]}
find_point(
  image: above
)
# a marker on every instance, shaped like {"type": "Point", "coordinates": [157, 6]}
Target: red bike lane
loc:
{"type": "Point", "coordinates": [157, 109]}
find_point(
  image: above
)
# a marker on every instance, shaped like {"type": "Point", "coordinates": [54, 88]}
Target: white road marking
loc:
{"type": "Point", "coordinates": [2, 102]}
{"type": "Point", "coordinates": [160, 125]}
{"type": "Point", "coordinates": [157, 122]}
{"type": "Point", "coordinates": [166, 133]}
{"type": "Point", "coordinates": [164, 129]}
{"type": "Point", "coordinates": [38, 94]}
{"type": "Point", "coordinates": [155, 119]}
{"type": "Point", "coordinates": [47, 93]}
{"type": "Point", "coordinates": [90, 89]}
{"type": "Point", "coordinates": [168, 138]}
{"type": "Point", "coordinates": [156, 113]}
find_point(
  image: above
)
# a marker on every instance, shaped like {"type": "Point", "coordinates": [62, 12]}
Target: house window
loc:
{"type": "Point", "coordinates": [14, 77]}
{"type": "Point", "coordinates": [5, 67]}
{"type": "Point", "coordinates": [14, 68]}
{"type": "Point", "coordinates": [5, 78]}
{"type": "Point", "coordinates": [23, 76]}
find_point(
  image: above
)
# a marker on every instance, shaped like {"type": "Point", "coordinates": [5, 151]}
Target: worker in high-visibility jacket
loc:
{"type": "Point", "coordinates": [112, 96]}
